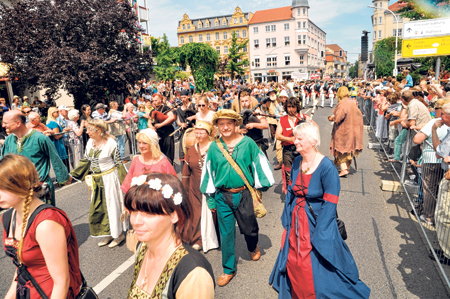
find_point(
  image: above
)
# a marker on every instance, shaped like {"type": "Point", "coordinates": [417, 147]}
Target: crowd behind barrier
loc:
{"type": "Point", "coordinates": [421, 176]}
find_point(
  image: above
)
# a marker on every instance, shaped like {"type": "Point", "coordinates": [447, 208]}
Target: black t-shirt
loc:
{"type": "Point", "coordinates": [165, 131]}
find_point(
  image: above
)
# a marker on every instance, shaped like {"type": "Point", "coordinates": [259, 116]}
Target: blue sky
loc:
{"type": "Point", "coordinates": [342, 20]}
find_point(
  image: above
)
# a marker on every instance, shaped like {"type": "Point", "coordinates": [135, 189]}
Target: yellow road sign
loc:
{"type": "Point", "coordinates": [424, 47]}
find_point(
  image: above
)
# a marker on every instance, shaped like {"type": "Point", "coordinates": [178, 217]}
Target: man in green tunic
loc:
{"type": "Point", "coordinates": [37, 147]}
{"type": "Point", "coordinates": [231, 197]}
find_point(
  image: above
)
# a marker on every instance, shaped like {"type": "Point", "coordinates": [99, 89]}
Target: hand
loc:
{"type": "Point", "coordinates": [184, 125]}
{"type": "Point", "coordinates": [404, 125]}
{"type": "Point", "coordinates": [331, 118]}
{"type": "Point", "coordinates": [157, 126]}
{"type": "Point", "coordinates": [414, 128]}
{"type": "Point", "coordinates": [213, 210]}
{"type": "Point", "coordinates": [66, 129]}
{"type": "Point", "coordinates": [250, 126]}
{"type": "Point", "coordinates": [447, 159]}
{"type": "Point", "coordinates": [437, 124]}
{"type": "Point", "coordinates": [292, 139]}
{"type": "Point", "coordinates": [243, 131]}
{"type": "Point", "coordinates": [191, 117]}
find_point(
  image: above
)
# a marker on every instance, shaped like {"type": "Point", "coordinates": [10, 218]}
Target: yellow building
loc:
{"type": "Point", "coordinates": [216, 31]}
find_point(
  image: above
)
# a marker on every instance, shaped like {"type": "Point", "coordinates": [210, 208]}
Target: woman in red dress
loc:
{"type": "Point", "coordinates": [43, 240]}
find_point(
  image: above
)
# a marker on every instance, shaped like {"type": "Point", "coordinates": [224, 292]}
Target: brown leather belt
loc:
{"type": "Point", "coordinates": [234, 190]}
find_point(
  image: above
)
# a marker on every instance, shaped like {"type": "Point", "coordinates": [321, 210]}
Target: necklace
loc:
{"type": "Point", "coordinates": [145, 169]}
{"type": "Point", "coordinates": [307, 169]}
{"type": "Point", "coordinates": [97, 147]}
{"type": "Point", "coordinates": [144, 279]}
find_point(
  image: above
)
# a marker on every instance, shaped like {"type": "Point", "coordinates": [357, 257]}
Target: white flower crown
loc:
{"type": "Point", "coordinates": [155, 184]}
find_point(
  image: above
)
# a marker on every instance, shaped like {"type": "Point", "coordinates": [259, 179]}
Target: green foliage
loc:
{"type": "Point", "coordinates": [181, 75]}
{"type": "Point", "coordinates": [384, 56]}
{"type": "Point", "coordinates": [203, 60]}
{"type": "Point", "coordinates": [235, 55]}
{"type": "Point", "coordinates": [421, 10]}
{"type": "Point", "coordinates": [165, 58]}
{"type": "Point", "coordinates": [400, 77]}
{"type": "Point", "coordinates": [353, 71]}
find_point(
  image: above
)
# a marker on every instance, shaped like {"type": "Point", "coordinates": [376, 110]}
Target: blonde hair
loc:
{"type": "Point", "coordinates": [154, 148]}
{"type": "Point", "coordinates": [204, 99]}
{"type": "Point", "coordinates": [342, 93]}
{"type": "Point", "coordinates": [101, 126]}
{"type": "Point", "coordinates": [50, 114]}
{"type": "Point", "coordinates": [18, 175]}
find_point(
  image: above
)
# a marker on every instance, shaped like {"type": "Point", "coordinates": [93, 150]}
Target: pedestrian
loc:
{"type": "Point", "coordinates": [74, 139]}
{"type": "Point", "coordinates": [58, 136]}
{"type": "Point", "coordinates": [131, 121]}
{"type": "Point", "coordinates": [143, 117]}
{"type": "Point", "coordinates": [106, 172]}
{"type": "Point", "coordinates": [35, 123]}
{"type": "Point", "coordinates": [314, 261]}
{"type": "Point", "coordinates": [347, 135]}
{"type": "Point", "coordinates": [38, 237]}
{"type": "Point", "coordinates": [117, 129]}
{"type": "Point", "coordinates": [201, 232]}
{"type": "Point", "coordinates": [165, 266]}
{"type": "Point", "coordinates": [150, 160]}
{"type": "Point", "coordinates": [232, 198]}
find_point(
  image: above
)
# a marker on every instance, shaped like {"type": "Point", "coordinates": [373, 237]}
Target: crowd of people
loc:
{"type": "Point", "coordinates": [225, 171]}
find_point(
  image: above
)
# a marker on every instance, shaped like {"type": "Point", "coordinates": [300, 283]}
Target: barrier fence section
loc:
{"type": "Point", "coordinates": [422, 176]}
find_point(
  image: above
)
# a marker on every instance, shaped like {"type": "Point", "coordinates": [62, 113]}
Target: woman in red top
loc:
{"type": "Point", "coordinates": [47, 245]}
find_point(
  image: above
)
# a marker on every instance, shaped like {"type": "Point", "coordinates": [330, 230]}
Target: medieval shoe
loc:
{"type": "Point", "coordinates": [105, 241]}
{"type": "Point", "coordinates": [117, 241]}
{"type": "Point", "coordinates": [255, 254]}
{"type": "Point", "coordinates": [224, 279]}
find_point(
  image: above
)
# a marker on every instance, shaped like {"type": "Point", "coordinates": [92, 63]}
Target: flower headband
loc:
{"type": "Point", "coordinates": [155, 184]}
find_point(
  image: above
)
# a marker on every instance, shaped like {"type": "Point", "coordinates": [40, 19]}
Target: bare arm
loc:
{"type": "Point", "coordinates": [279, 135]}
{"type": "Point", "coordinates": [12, 289]}
{"type": "Point", "coordinates": [51, 238]}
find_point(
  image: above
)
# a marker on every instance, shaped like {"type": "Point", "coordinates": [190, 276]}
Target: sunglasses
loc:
{"type": "Point", "coordinates": [26, 112]}
{"type": "Point", "coordinates": [201, 105]}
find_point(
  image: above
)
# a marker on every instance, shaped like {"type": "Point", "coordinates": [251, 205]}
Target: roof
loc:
{"type": "Point", "coordinates": [300, 3]}
{"type": "Point", "coordinates": [272, 15]}
{"type": "Point", "coordinates": [211, 21]}
{"type": "Point", "coordinates": [398, 5]}
{"type": "Point", "coordinates": [335, 48]}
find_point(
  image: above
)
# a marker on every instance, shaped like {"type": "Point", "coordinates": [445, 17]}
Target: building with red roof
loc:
{"type": "Point", "coordinates": [383, 22]}
{"type": "Point", "coordinates": [335, 61]}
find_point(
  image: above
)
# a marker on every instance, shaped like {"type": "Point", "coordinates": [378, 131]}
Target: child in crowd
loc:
{"type": "Point", "coordinates": [143, 117]}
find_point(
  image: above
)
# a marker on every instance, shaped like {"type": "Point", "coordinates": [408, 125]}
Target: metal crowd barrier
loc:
{"type": "Point", "coordinates": [424, 183]}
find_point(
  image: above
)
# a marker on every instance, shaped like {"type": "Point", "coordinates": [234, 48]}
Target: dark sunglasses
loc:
{"type": "Point", "coordinates": [202, 105]}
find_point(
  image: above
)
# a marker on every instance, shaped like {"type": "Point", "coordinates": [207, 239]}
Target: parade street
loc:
{"type": "Point", "coordinates": [382, 236]}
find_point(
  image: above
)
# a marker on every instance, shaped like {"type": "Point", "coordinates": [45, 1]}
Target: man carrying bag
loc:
{"type": "Point", "coordinates": [234, 167]}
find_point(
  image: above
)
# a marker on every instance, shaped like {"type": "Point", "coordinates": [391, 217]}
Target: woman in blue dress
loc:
{"type": "Point", "coordinates": [57, 138]}
{"type": "Point", "coordinates": [314, 261]}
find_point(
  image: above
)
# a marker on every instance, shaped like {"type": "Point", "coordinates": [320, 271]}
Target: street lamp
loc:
{"type": "Point", "coordinates": [266, 61]}
{"type": "Point", "coordinates": [395, 73]}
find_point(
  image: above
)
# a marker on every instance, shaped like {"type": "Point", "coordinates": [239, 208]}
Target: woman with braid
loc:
{"type": "Point", "coordinates": [38, 237]}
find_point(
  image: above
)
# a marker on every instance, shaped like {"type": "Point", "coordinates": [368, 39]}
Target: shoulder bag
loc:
{"type": "Point", "coordinates": [23, 274]}
{"type": "Point", "coordinates": [260, 210]}
{"type": "Point", "coordinates": [340, 223]}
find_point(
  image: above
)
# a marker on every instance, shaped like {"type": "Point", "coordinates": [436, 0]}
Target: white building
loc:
{"type": "Point", "coordinates": [285, 42]}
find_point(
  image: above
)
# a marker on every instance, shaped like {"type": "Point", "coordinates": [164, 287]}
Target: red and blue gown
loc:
{"type": "Point", "coordinates": [314, 261]}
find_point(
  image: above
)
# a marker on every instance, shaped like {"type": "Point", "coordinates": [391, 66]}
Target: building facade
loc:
{"type": "Point", "coordinates": [285, 43]}
{"type": "Point", "coordinates": [335, 61]}
{"type": "Point", "coordinates": [216, 31]}
{"type": "Point", "coordinates": [384, 24]}
{"type": "Point", "coordinates": [142, 10]}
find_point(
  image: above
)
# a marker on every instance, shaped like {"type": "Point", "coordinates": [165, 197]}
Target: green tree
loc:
{"type": "Point", "coordinates": [421, 10]}
{"type": "Point", "coordinates": [353, 71]}
{"type": "Point", "coordinates": [236, 53]}
{"type": "Point", "coordinates": [384, 55]}
{"type": "Point", "coordinates": [165, 58]}
{"type": "Point", "coordinates": [202, 60]}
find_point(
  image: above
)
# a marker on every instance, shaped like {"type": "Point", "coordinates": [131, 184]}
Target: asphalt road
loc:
{"type": "Point", "coordinates": [385, 242]}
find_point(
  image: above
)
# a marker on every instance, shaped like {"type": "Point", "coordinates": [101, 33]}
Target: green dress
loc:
{"type": "Point", "coordinates": [108, 172]}
{"type": "Point", "coordinates": [40, 150]}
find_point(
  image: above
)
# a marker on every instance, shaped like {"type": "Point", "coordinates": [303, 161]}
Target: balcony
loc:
{"type": "Point", "coordinates": [143, 14]}
{"type": "Point", "coordinates": [301, 49]}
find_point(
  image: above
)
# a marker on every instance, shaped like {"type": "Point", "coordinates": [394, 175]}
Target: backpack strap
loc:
{"type": "Point", "coordinates": [6, 220]}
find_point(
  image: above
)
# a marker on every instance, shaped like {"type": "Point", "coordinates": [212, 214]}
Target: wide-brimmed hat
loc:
{"type": "Point", "coordinates": [283, 93]}
{"type": "Point", "coordinates": [228, 114]}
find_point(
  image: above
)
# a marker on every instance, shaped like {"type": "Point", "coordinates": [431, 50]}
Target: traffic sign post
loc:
{"type": "Point", "coordinates": [425, 47]}
{"type": "Point", "coordinates": [426, 28]}
{"type": "Point", "coordinates": [395, 73]}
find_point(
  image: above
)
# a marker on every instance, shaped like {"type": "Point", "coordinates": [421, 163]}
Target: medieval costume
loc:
{"type": "Point", "coordinates": [107, 173]}
{"type": "Point", "coordinates": [314, 261]}
{"type": "Point", "coordinates": [40, 150]}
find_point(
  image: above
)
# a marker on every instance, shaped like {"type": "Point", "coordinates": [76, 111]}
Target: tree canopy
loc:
{"type": "Point", "coordinates": [202, 60]}
{"type": "Point", "coordinates": [86, 47]}
{"type": "Point", "coordinates": [421, 10]}
{"type": "Point", "coordinates": [384, 55]}
{"type": "Point", "coordinates": [235, 55]}
{"type": "Point", "coordinates": [165, 57]}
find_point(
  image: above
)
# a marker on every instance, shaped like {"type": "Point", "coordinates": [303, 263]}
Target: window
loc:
{"type": "Point", "coordinates": [191, 39]}
{"type": "Point", "coordinates": [269, 61]}
{"type": "Point", "coordinates": [216, 23]}
{"type": "Point", "coordinates": [200, 37]}
{"type": "Point", "coordinates": [237, 33]}
{"type": "Point", "coordinates": [299, 39]}
{"type": "Point", "coordinates": [267, 42]}
{"type": "Point", "coordinates": [375, 35]}
{"type": "Point", "coordinates": [207, 25]}
{"type": "Point", "coordinates": [257, 62]}
{"type": "Point", "coordinates": [274, 28]}
{"type": "Point", "coordinates": [225, 50]}
{"type": "Point", "coordinates": [274, 41]}
{"type": "Point", "coordinates": [304, 39]}
{"type": "Point", "coordinates": [255, 29]}
{"type": "Point", "coordinates": [304, 11]}
{"type": "Point", "coordinates": [225, 35]}
{"type": "Point", "coordinates": [218, 49]}
{"type": "Point", "coordinates": [256, 43]}
{"type": "Point", "coordinates": [302, 59]}
{"type": "Point", "coordinates": [394, 32]}
{"type": "Point", "coordinates": [375, 21]}
{"type": "Point", "coordinates": [208, 37]}
{"type": "Point", "coordinates": [309, 41]}
{"type": "Point", "coordinates": [224, 23]}
{"type": "Point", "coordinates": [287, 60]}
{"type": "Point", "coordinates": [244, 49]}
{"type": "Point", "coordinates": [268, 28]}
{"type": "Point", "coordinates": [244, 33]}
{"type": "Point", "coordinates": [379, 20]}
{"type": "Point", "coordinates": [184, 27]}
{"type": "Point", "coordinates": [240, 20]}
{"type": "Point", "coordinates": [381, 4]}
{"type": "Point", "coordinates": [188, 26]}
{"type": "Point", "coordinates": [287, 41]}
{"type": "Point", "coordinates": [400, 32]}
{"type": "Point", "coordinates": [376, 5]}
{"type": "Point", "coordinates": [199, 25]}
{"type": "Point", "coordinates": [217, 36]}
{"type": "Point", "coordinates": [182, 40]}
{"type": "Point", "coordinates": [309, 59]}
{"type": "Point", "coordinates": [274, 61]}
{"type": "Point", "coordinates": [304, 24]}
{"type": "Point", "coordinates": [340, 53]}
{"type": "Point", "coordinates": [379, 33]}
{"type": "Point", "coordinates": [235, 21]}
{"type": "Point", "coordinates": [299, 25]}
{"type": "Point", "coordinates": [286, 26]}
{"type": "Point", "coordinates": [298, 11]}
